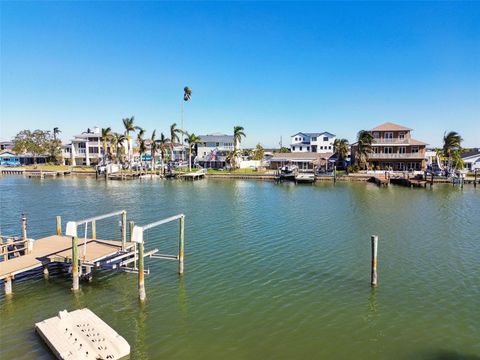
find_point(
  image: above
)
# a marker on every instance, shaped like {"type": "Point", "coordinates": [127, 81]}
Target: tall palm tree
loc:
{"type": "Point", "coordinates": [56, 131]}
{"type": "Point", "coordinates": [187, 93]}
{"type": "Point", "coordinates": [142, 146]}
{"type": "Point", "coordinates": [232, 157]}
{"type": "Point", "coordinates": [237, 139]}
{"type": "Point", "coordinates": [153, 148]}
{"type": "Point", "coordinates": [106, 136]}
{"type": "Point", "coordinates": [128, 124]}
{"type": "Point", "coordinates": [364, 146]}
{"type": "Point", "coordinates": [116, 142]}
{"type": "Point", "coordinates": [192, 139]}
{"type": "Point", "coordinates": [452, 144]}
{"type": "Point", "coordinates": [174, 137]}
{"type": "Point", "coordinates": [341, 148]}
{"type": "Point", "coordinates": [163, 145]}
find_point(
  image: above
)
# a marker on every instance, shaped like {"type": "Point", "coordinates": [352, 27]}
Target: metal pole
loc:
{"type": "Point", "coordinates": [141, 275]}
{"type": "Point", "coordinates": [183, 147]}
{"type": "Point", "coordinates": [132, 224]}
{"type": "Point", "coordinates": [181, 245]}
{"type": "Point", "coordinates": [59, 225]}
{"type": "Point", "coordinates": [374, 239]}
{"type": "Point", "coordinates": [124, 230]}
{"type": "Point", "coordinates": [24, 227]}
{"type": "Point", "coordinates": [75, 275]}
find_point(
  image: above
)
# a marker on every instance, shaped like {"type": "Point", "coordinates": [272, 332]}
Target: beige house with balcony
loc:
{"type": "Point", "coordinates": [394, 148]}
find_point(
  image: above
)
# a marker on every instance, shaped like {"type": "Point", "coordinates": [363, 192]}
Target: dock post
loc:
{"type": "Point", "coordinates": [75, 274]}
{"type": "Point", "coordinates": [94, 229]}
{"type": "Point", "coordinates": [141, 274]}
{"type": "Point", "coordinates": [124, 230]}
{"type": "Point", "coordinates": [131, 225]}
{"type": "Point", "coordinates": [334, 174]}
{"type": "Point", "coordinates": [181, 245]}
{"type": "Point", "coordinates": [24, 227]}
{"type": "Point", "coordinates": [374, 239]}
{"type": "Point", "coordinates": [59, 225]}
{"type": "Point", "coordinates": [45, 271]}
{"type": "Point", "coordinates": [431, 179]}
{"type": "Point", "coordinates": [475, 179]}
{"type": "Point", "coordinates": [8, 285]}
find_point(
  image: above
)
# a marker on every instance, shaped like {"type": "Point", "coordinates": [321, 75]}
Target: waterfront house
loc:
{"type": "Point", "coordinates": [471, 160]}
{"type": "Point", "coordinates": [11, 158]}
{"type": "Point", "coordinates": [306, 161]}
{"type": "Point", "coordinates": [321, 143]}
{"type": "Point", "coordinates": [212, 150]}
{"type": "Point", "coordinates": [393, 148]}
{"type": "Point", "coordinates": [85, 148]}
{"type": "Point", "coordinates": [6, 145]}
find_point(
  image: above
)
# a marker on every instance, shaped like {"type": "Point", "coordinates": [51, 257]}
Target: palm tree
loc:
{"type": "Point", "coordinates": [163, 145]}
{"type": "Point", "coordinates": [232, 157]}
{"type": "Point", "coordinates": [187, 93]}
{"type": "Point", "coordinates": [174, 136]}
{"type": "Point", "coordinates": [142, 146]}
{"type": "Point", "coordinates": [364, 146]}
{"type": "Point", "coordinates": [452, 144]}
{"type": "Point", "coordinates": [153, 148]}
{"type": "Point", "coordinates": [56, 131]}
{"type": "Point", "coordinates": [341, 148]}
{"type": "Point", "coordinates": [116, 141]}
{"type": "Point", "coordinates": [106, 135]}
{"type": "Point", "coordinates": [192, 139]}
{"type": "Point", "coordinates": [128, 124]}
{"type": "Point", "coordinates": [237, 139]}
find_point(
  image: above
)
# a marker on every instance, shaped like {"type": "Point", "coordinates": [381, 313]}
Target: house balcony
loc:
{"type": "Point", "coordinates": [395, 141]}
{"type": "Point", "coordinates": [397, 156]}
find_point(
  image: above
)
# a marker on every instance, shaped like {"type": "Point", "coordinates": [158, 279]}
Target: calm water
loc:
{"type": "Point", "coordinates": [272, 271]}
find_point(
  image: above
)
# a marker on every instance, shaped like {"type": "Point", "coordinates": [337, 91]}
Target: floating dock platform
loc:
{"type": "Point", "coordinates": [81, 334]}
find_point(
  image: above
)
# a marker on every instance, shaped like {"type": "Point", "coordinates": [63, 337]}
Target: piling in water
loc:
{"type": "Point", "coordinates": [59, 225]}
{"type": "Point", "coordinates": [181, 245]}
{"type": "Point", "coordinates": [374, 239]}
{"type": "Point", "coordinates": [8, 285]}
{"type": "Point", "coordinates": [75, 275]}
{"type": "Point", "coordinates": [24, 227]}
{"type": "Point", "coordinates": [124, 230]}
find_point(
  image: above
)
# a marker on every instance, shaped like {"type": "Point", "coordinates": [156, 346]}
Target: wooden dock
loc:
{"type": "Point", "coordinates": [379, 180]}
{"type": "Point", "coordinates": [57, 248]}
{"type": "Point", "coordinates": [305, 178]}
{"type": "Point", "coordinates": [197, 175]}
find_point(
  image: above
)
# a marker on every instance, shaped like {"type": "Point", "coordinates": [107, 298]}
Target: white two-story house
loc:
{"type": "Point", "coordinates": [313, 142]}
{"type": "Point", "coordinates": [212, 150]}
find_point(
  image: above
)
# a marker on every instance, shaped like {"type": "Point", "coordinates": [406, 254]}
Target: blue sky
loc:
{"type": "Point", "coordinates": [274, 68]}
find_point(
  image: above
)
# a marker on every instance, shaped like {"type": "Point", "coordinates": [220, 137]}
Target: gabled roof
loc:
{"type": "Point", "coordinates": [390, 126]}
{"type": "Point", "coordinates": [416, 142]}
{"type": "Point", "coordinates": [470, 154]}
{"type": "Point", "coordinates": [314, 134]}
{"type": "Point", "coordinates": [216, 138]}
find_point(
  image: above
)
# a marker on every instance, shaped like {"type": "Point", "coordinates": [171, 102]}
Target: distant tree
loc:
{"type": "Point", "coordinates": [142, 146]}
{"type": "Point", "coordinates": [56, 131]}
{"type": "Point", "coordinates": [37, 142]}
{"type": "Point", "coordinates": [106, 136]}
{"type": "Point", "coordinates": [192, 139]}
{"type": "Point", "coordinates": [284, 150]}
{"type": "Point", "coordinates": [364, 147]}
{"type": "Point", "coordinates": [341, 148]}
{"type": "Point", "coordinates": [452, 146]}
{"type": "Point", "coordinates": [163, 144]}
{"type": "Point", "coordinates": [187, 93]}
{"type": "Point", "coordinates": [116, 142]}
{"type": "Point", "coordinates": [153, 148]}
{"type": "Point", "coordinates": [258, 153]}
{"type": "Point", "coordinates": [174, 132]}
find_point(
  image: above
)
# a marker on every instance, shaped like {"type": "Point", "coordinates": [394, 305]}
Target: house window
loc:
{"type": "Point", "coordinates": [301, 148]}
{"type": "Point", "coordinates": [402, 150]}
{"type": "Point", "coordinates": [293, 148]}
{"type": "Point", "coordinates": [376, 134]}
{"type": "Point", "coordinates": [325, 138]}
{"type": "Point", "coordinates": [321, 147]}
{"type": "Point", "coordinates": [314, 138]}
{"type": "Point", "coordinates": [401, 135]}
{"type": "Point", "coordinates": [308, 148]}
{"type": "Point", "coordinates": [329, 148]}
{"type": "Point", "coordinates": [376, 150]}
{"type": "Point", "coordinates": [388, 135]}
{"type": "Point", "coordinates": [414, 149]}
{"type": "Point", "coordinates": [388, 150]}
{"type": "Point", "coordinates": [217, 144]}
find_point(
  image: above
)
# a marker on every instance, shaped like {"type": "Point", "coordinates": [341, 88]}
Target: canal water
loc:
{"type": "Point", "coordinates": [271, 271]}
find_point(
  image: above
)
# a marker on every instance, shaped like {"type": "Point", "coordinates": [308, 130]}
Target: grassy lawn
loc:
{"type": "Point", "coordinates": [46, 167]}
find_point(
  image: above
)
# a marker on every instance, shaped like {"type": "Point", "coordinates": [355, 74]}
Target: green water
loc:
{"type": "Point", "coordinates": [271, 272]}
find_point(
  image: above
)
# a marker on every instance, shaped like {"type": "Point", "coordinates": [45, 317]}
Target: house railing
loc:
{"type": "Point", "coordinates": [374, 156]}
{"type": "Point", "coordinates": [390, 141]}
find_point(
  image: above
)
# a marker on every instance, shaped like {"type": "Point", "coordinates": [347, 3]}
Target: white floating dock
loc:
{"type": "Point", "coordinates": [81, 334]}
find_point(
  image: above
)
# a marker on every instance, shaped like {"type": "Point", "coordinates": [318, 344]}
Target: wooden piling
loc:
{"type": "Point", "coordinates": [94, 229]}
{"type": "Point", "coordinates": [131, 225]}
{"type": "Point", "coordinates": [45, 271]}
{"type": "Point", "coordinates": [141, 274]}
{"type": "Point", "coordinates": [475, 179]}
{"type": "Point", "coordinates": [334, 174]}
{"type": "Point", "coordinates": [8, 285]}
{"type": "Point", "coordinates": [431, 179]}
{"type": "Point", "coordinates": [124, 230]}
{"type": "Point", "coordinates": [181, 245]}
{"type": "Point", "coordinates": [75, 274]}
{"type": "Point", "coordinates": [59, 225]}
{"type": "Point", "coordinates": [374, 239]}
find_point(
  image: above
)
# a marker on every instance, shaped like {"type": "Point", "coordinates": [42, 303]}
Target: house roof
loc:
{"type": "Point", "coordinates": [216, 138]}
{"type": "Point", "coordinates": [416, 142]}
{"type": "Point", "coordinates": [316, 134]}
{"type": "Point", "coordinates": [390, 126]}
{"type": "Point", "coordinates": [469, 154]}
{"type": "Point", "coordinates": [300, 156]}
